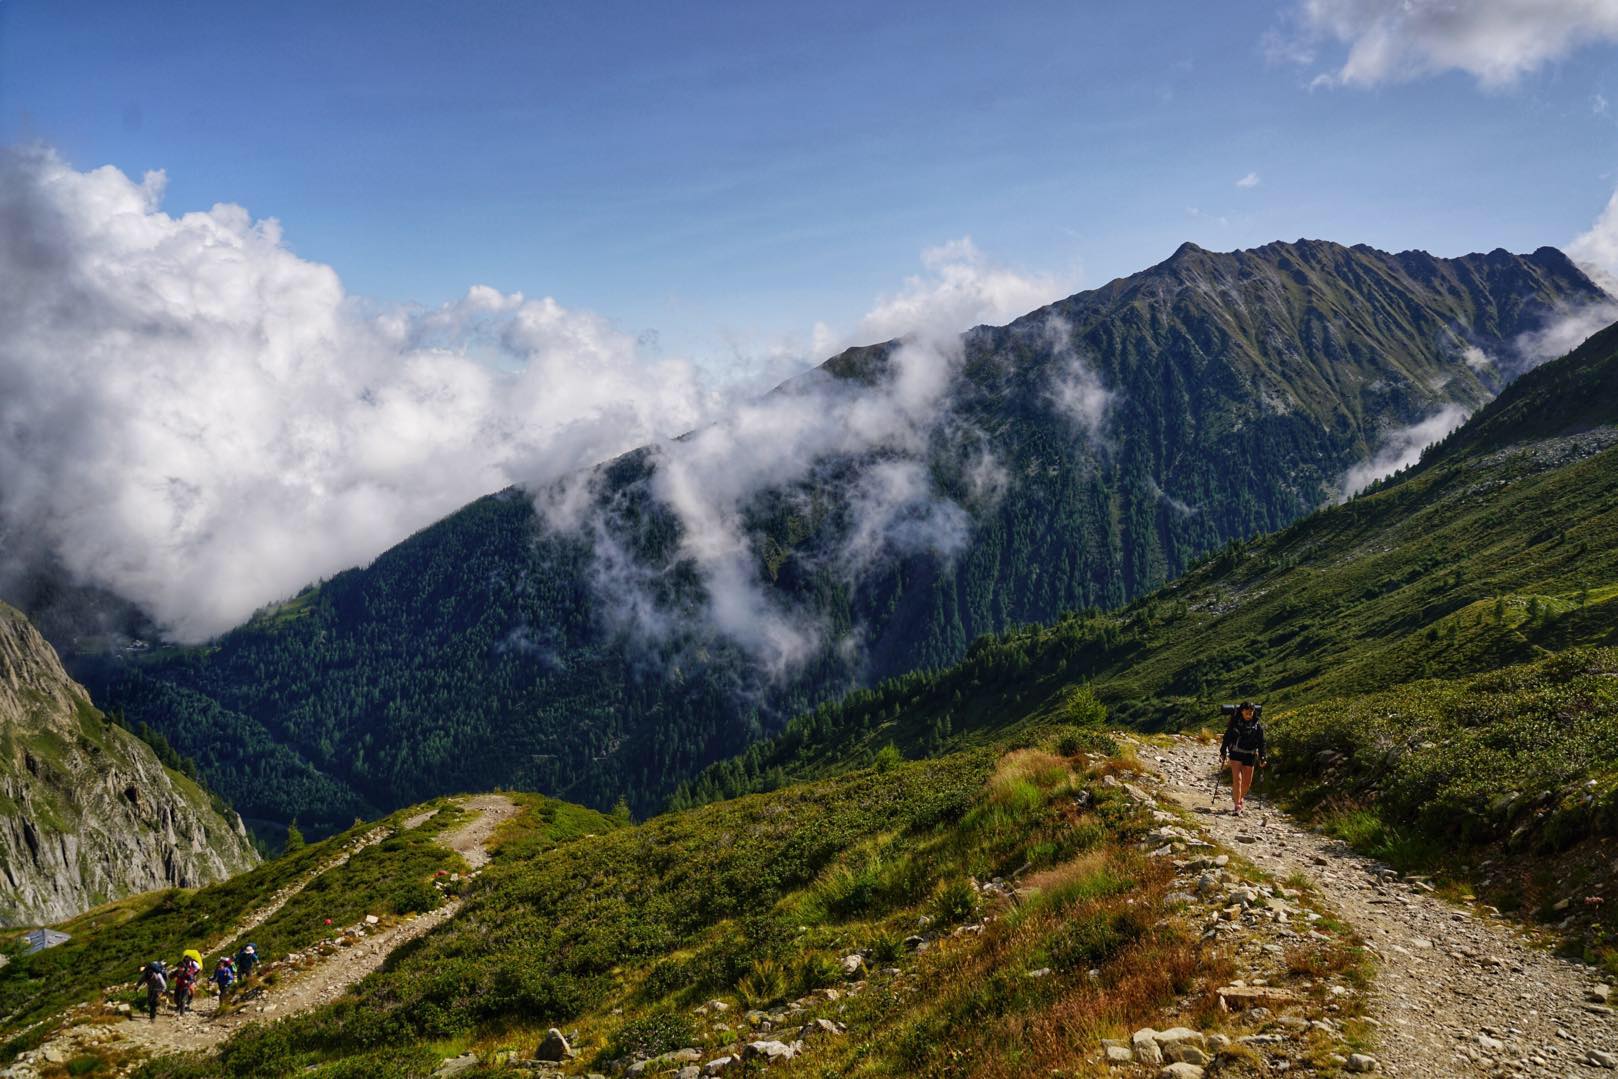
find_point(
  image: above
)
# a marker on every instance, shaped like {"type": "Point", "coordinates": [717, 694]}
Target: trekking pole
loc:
{"type": "Point", "coordinates": [1213, 792]}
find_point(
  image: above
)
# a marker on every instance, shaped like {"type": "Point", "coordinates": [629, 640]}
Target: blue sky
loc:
{"type": "Point", "coordinates": [728, 175]}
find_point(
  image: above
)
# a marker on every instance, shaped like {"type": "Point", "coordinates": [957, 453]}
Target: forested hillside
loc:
{"type": "Point", "coordinates": [1437, 656]}
{"type": "Point", "coordinates": [1074, 459]}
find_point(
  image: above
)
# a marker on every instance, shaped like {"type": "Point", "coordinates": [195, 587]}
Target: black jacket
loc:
{"type": "Point", "coordinates": [1244, 738]}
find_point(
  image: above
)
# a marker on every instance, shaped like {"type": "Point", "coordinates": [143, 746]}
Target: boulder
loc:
{"type": "Point", "coordinates": [769, 1052]}
{"type": "Point", "coordinates": [1117, 1054]}
{"type": "Point", "coordinates": [554, 1047]}
{"type": "Point", "coordinates": [1144, 1043]}
{"type": "Point", "coordinates": [1361, 1062]}
{"type": "Point", "coordinates": [718, 1065]}
{"type": "Point", "coordinates": [1186, 1053]}
{"type": "Point", "coordinates": [1181, 1071]}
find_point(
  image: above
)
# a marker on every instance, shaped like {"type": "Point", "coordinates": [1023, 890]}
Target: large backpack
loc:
{"type": "Point", "coordinates": [1249, 736]}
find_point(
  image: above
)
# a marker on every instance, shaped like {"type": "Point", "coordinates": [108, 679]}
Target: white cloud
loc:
{"type": "Point", "coordinates": [1076, 388]}
{"type": "Point", "coordinates": [1250, 180]}
{"type": "Point", "coordinates": [1476, 358]}
{"type": "Point", "coordinates": [1596, 252]}
{"type": "Point", "coordinates": [198, 419]}
{"type": "Point", "coordinates": [959, 289]}
{"type": "Point", "coordinates": [1401, 448]}
{"type": "Point", "coordinates": [1596, 249]}
{"type": "Point", "coordinates": [1598, 104]}
{"type": "Point", "coordinates": [1495, 41]}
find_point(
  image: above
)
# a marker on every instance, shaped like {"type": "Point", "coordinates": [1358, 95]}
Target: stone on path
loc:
{"type": "Point", "coordinates": [1361, 1062]}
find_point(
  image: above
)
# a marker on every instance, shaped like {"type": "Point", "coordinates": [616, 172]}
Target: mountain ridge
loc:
{"type": "Point", "coordinates": [1210, 400]}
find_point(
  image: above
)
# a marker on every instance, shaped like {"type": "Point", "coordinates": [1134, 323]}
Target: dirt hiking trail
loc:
{"type": "Point", "coordinates": [296, 991]}
{"type": "Point", "coordinates": [1459, 991]}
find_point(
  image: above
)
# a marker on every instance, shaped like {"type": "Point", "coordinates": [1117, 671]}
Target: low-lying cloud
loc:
{"type": "Point", "coordinates": [199, 420]}
{"type": "Point", "coordinates": [1401, 448]}
{"type": "Point", "coordinates": [1596, 252]}
{"type": "Point", "coordinates": [1495, 41]}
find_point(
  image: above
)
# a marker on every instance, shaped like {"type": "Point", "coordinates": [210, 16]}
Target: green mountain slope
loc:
{"type": "Point", "coordinates": [1495, 551]}
{"type": "Point", "coordinates": [1228, 394]}
{"type": "Point", "coordinates": [1438, 658]}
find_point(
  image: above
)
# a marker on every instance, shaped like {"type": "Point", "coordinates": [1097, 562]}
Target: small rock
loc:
{"type": "Point", "coordinates": [371, 919]}
{"type": "Point", "coordinates": [1180, 1070]}
{"type": "Point", "coordinates": [718, 1065]}
{"type": "Point", "coordinates": [1117, 1054]}
{"type": "Point", "coordinates": [1601, 994]}
{"type": "Point", "coordinates": [1493, 1045]}
{"type": "Point", "coordinates": [852, 965]}
{"type": "Point", "coordinates": [456, 1065]}
{"type": "Point", "coordinates": [1362, 1062]}
{"type": "Point", "coordinates": [1600, 1058]}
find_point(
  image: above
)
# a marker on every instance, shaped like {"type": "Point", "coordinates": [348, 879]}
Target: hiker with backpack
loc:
{"type": "Point", "coordinates": [155, 978]}
{"type": "Point", "coordinates": [246, 960]}
{"type": "Point", "coordinates": [186, 973]}
{"type": "Point", "coordinates": [224, 976]}
{"type": "Point", "coordinates": [1243, 746]}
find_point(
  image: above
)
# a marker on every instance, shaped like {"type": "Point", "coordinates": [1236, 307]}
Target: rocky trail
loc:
{"type": "Point", "coordinates": [322, 975]}
{"type": "Point", "coordinates": [1459, 991]}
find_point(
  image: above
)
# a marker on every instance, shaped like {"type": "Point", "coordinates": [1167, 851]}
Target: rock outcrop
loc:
{"type": "Point", "coordinates": [87, 811]}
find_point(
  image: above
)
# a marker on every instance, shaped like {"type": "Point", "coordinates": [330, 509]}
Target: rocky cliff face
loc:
{"type": "Point", "coordinates": [87, 812]}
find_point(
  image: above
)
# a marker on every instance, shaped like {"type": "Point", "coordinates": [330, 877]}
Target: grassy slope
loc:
{"type": "Point", "coordinates": [618, 937]}
{"type": "Point", "coordinates": [111, 943]}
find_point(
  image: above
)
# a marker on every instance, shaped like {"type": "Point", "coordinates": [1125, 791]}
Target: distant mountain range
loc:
{"type": "Point", "coordinates": [871, 518]}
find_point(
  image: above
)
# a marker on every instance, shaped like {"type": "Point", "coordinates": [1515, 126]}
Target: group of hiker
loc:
{"type": "Point", "coordinates": [181, 979]}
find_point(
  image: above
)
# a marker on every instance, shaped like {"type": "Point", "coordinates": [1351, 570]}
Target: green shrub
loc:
{"type": "Point", "coordinates": [414, 897]}
{"type": "Point", "coordinates": [765, 984]}
{"type": "Point", "coordinates": [650, 1036]}
{"type": "Point", "coordinates": [885, 947]}
{"type": "Point", "coordinates": [955, 901]}
{"type": "Point", "coordinates": [815, 970]}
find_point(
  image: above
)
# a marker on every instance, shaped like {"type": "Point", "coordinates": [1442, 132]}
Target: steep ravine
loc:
{"type": "Point", "coordinates": [87, 812]}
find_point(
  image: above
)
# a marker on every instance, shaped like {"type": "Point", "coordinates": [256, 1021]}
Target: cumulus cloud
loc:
{"type": "Point", "coordinates": [1401, 448]}
{"type": "Point", "coordinates": [1494, 41]}
{"type": "Point", "coordinates": [1250, 180]}
{"type": "Point", "coordinates": [198, 419]}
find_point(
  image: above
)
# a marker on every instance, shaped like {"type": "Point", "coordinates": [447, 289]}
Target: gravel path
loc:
{"type": "Point", "coordinates": [1459, 991]}
{"type": "Point", "coordinates": [325, 981]}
